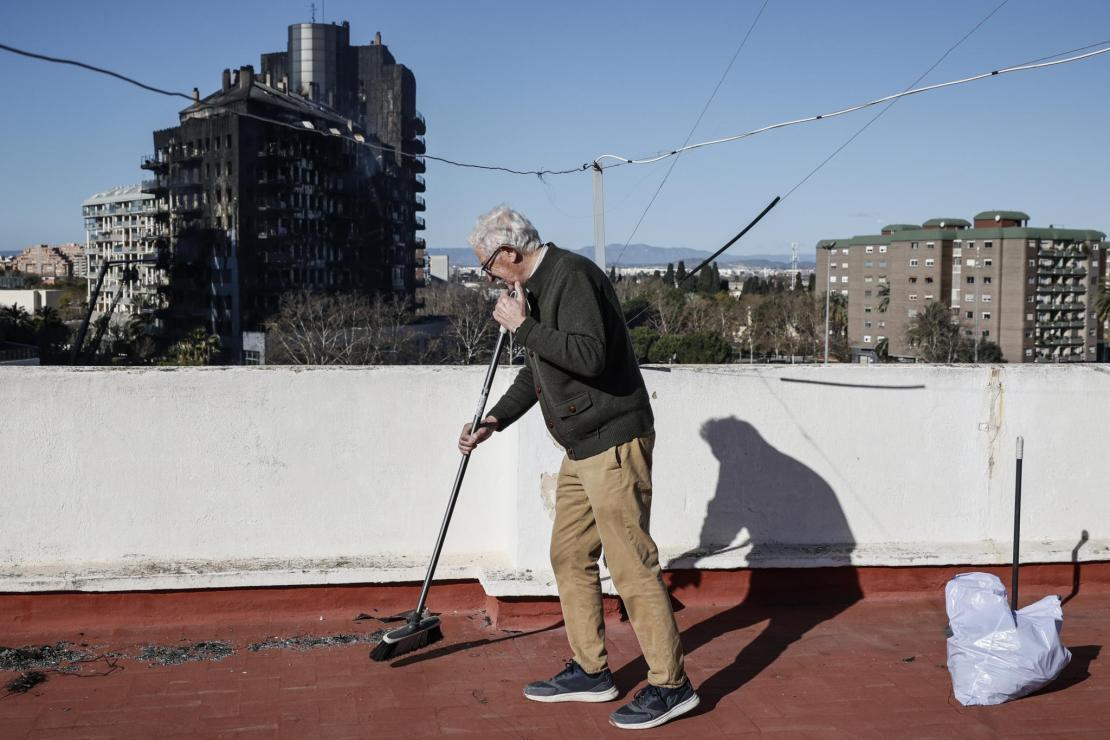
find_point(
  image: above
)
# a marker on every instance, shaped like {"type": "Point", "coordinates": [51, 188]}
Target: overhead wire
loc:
{"type": "Point", "coordinates": [199, 105]}
{"type": "Point", "coordinates": [891, 104]}
{"type": "Point", "coordinates": [621, 160]}
{"type": "Point", "coordinates": [693, 128]}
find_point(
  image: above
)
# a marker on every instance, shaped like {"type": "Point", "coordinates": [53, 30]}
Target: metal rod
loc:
{"type": "Point", "coordinates": [479, 413]}
{"type": "Point", "coordinates": [1017, 525]}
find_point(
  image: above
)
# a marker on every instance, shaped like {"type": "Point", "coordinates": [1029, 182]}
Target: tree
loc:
{"type": "Point", "coordinates": [704, 347]}
{"type": "Point", "coordinates": [51, 335]}
{"type": "Point", "coordinates": [838, 325]}
{"type": "Point", "coordinates": [314, 328]}
{"type": "Point", "coordinates": [139, 344]}
{"type": "Point", "coordinates": [471, 330]}
{"type": "Point", "coordinates": [643, 338]}
{"type": "Point", "coordinates": [883, 294]}
{"type": "Point", "coordinates": [882, 350]}
{"type": "Point", "coordinates": [812, 282]}
{"type": "Point", "coordinates": [197, 348]}
{"type": "Point", "coordinates": [668, 276]}
{"type": "Point", "coordinates": [636, 310]}
{"type": "Point", "coordinates": [680, 275]}
{"type": "Point", "coordinates": [933, 333]}
{"type": "Point", "coordinates": [16, 325]}
{"type": "Point", "coordinates": [1101, 304]}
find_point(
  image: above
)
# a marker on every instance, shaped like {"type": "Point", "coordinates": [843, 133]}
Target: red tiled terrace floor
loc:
{"type": "Point", "coordinates": [871, 669]}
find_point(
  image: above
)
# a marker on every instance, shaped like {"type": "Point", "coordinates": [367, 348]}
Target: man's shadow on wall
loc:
{"type": "Point", "coordinates": [786, 510]}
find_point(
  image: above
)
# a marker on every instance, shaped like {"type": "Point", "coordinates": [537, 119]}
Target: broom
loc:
{"type": "Point", "coordinates": [423, 629]}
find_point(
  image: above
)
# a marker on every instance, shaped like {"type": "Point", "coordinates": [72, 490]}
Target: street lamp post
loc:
{"type": "Point", "coordinates": [828, 262]}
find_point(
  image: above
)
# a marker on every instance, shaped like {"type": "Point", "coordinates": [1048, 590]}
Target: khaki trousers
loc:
{"type": "Point", "coordinates": [605, 501]}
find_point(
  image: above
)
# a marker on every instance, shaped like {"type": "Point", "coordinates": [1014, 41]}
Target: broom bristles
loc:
{"type": "Point", "coordinates": [407, 644]}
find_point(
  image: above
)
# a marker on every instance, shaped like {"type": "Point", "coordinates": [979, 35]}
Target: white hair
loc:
{"type": "Point", "coordinates": [504, 226]}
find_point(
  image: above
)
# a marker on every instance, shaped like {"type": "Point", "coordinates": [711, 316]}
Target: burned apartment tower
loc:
{"type": "Point", "coordinates": [264, 188]}
{"type": "Point", "coordinates": [366, 85]}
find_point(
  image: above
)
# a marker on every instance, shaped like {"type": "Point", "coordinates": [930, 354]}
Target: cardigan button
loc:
{"type": "Point", "coordinates": [572, 409]}
{"type": "Point", "coordinates": [550, 425]}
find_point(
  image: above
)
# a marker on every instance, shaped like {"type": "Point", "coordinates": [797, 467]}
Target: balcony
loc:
{"type": "Point", "coordinates": [418, 204]}
{"type": "Point", "coordinates": [273, 150]}
{"type": "Point", "coordinates": [1060, 324]}
{"type": "Point", "coordinates": [153, 163]}
{"type": "Point", "coordinates": [186, 154]}
{"type": "Point", "coordinates": [418, 184]}
{"type": "Point", "coordinates": [1058, 253]}
{"type": "Point", "coordinates": [420, 243]}
{"type": "Point", "coordinates": [1061, 289]}
{"type": "Point", "coordinates": [1072, 306]}
{"type": "Point", "coordinates": [418, 165]}
{"type": "Point", "coordinates": [419, 223]}
{"type": "Point", "coordinates": [1058, 341]}
{"type": "Point", "coordinates": [420, 124]}
{"type": "Point", "coordinates": [274, 181]}
{"type": "Point", "coordinates": [1069, 271]}
{"type": "Point", "coordinates": [415, 146]}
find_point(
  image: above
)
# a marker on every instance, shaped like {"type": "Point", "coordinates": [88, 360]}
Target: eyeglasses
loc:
{"type": "Point", "coordinates": [490, 260]}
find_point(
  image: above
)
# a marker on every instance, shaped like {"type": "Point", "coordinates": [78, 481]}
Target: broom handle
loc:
{"type": "Point", "coordinates": [418, 614]}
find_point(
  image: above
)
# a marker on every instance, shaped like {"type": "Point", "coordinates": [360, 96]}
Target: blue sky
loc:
{"type": "Point", "coordinates": [553, 85]}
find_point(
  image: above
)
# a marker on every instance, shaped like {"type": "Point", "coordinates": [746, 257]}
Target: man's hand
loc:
{"type": "Point", "coordinates": [509, 311]}
{"type": "Point", "coordinates": [468, 441]}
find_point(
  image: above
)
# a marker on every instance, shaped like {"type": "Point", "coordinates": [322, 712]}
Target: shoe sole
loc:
{"type": "Point", "coordinates": [586, 696]}
{"type": "Point", "coordinates": [676, 711]}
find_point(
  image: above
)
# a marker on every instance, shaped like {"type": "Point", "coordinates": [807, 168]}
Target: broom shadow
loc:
{"type": "Point", "coordinates": [446, 650]}
{"type": "Point", "coordinates": [782, 504]}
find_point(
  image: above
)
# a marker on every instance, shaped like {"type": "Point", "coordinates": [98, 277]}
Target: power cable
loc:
{"type": "Point", "coordinates": [622, 160]}
{"type": "Point", "coordinates": [200, 106]}
{"type": "Point", "coordinates": [890, 105]}
{"type": "Point", "coordinates": [690, 135]}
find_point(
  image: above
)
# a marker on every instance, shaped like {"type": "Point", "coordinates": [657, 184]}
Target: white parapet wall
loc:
{"type": "Point", "coordinates": [122, 479]}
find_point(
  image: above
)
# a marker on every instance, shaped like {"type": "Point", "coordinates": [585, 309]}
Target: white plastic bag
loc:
{"type": "Point", "coordinates": [994, 654]}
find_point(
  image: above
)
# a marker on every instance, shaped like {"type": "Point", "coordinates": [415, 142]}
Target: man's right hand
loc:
{"type": "Point", "coordinates": [468, 441]}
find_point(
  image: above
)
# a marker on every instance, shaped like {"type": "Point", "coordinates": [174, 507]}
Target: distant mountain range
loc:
{"type": "Point", "coordinates": [645, 255]}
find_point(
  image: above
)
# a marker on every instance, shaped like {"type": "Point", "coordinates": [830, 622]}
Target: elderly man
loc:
{"type": "Point", "coordinates": [582, 371]}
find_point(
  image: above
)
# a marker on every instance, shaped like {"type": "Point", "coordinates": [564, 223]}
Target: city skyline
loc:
{"type": "Point", "coordinates": [645, 88]}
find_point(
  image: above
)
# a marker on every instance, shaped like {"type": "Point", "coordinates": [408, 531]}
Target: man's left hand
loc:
{"type": "Point", "coordinates": [509, 311]}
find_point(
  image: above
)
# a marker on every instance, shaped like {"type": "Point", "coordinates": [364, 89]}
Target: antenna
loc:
{"type": "Point", "coordinates": [313, 12]}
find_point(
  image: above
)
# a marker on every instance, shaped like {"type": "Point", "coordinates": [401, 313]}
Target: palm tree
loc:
{"type": "Point", "coordinates": [882, 349]}
{"type": "Point", "coordinates": [51, 333]}
{"type": "Point", "coordinates": [933, 333]}
{"type": "Point", "coordinates": [197, 348]}
{"type": "Point", "coordinates": [1102, 301]}
{"type": "Point", "coordinates": [884, 295]}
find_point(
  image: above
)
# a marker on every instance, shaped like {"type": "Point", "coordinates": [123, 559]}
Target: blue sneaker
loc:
{"type": "Point", "coordinates": [574, 684]}
{"type": "Point", "coordinates": [653, 705]}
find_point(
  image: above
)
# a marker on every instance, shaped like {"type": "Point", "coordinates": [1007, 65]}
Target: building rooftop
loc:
{"type": "Point", "coordinates": [1007, 215]}
{"type": "Point", "coordinates": [119, 194]}
{"type": "Point", "coordinates": [205, 576]}
{"type": "Point", "coordinates": [285, 664]}
{"type": "Point", "coordinates": [945, 222]}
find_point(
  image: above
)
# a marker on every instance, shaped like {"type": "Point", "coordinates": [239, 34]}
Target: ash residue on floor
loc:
{"type": "Point", "coordinates": [165, 655]}
{"type": "Point", "coordinates": [24, 682]}
{"type": "Point", "coordinates": [310, 642]}
{"type": "Point", "coordinates": [59, 656]}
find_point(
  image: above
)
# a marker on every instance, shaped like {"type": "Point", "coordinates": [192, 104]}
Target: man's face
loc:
{"type": "Point", "coordinates": [504, 264]}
